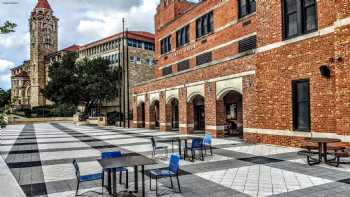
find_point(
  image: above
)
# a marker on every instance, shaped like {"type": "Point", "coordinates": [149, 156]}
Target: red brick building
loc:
{"type": "Point", "coordinates": [278, 70]}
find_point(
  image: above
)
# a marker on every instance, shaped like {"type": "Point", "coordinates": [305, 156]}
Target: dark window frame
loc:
{"type": "Point", "coordinates": [301, 18]}
{"type": "Point", "coordinates": [248, 9]}
{"type": "Point", "coordinates": [295, 104]}
{"type": "Point", "coordinates": [205, 25]}
{"type": "Point", "coordinates": [183, 36]}
{"type": "Point", "coordinates": [165, 45]}
{"type": "Point", "coordinates": [200, 61]}
{"type": "Point", "coordinates": [168, 70]}
{"type": "Point", "coordinates": [184, 65]}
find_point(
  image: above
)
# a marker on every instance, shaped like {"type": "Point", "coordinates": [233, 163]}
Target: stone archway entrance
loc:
{"type": "Point", "coordinates": [231, 105]}
{"type": "Point", "coordinates": [198, 113]}
{"type": "Point", "coordinates": [174, 114]}
{"type": "Point", "coordinates": [155, 107]}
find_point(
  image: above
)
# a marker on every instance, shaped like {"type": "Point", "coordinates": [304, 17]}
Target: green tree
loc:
{"type": "Point", "coordinates": [8, 27]}
{"type": "Point", "coordinates": [86, 82]}
{"type": "Point", "coordinates": [5, 98]}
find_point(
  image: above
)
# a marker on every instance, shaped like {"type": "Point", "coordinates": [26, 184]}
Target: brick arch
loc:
{"type": "Point", "coordinates": [193, 95]}
{"type": "Point", "coordinates": [220, 95]}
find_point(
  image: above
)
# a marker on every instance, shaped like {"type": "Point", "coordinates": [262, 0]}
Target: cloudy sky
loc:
{"type": "Point", "coordinates": [80, 21]}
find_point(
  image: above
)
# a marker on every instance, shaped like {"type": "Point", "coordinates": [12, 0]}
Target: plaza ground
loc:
{"type": "Point", "coordinates": [38, 160]}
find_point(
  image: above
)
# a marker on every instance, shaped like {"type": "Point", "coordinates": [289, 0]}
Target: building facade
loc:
{"type": "Point", "coordinates": [43, 41]}
{"type": "Point", "coordinates": [276, 70]}
{"type": "Point", "coordinates": [138, 54]}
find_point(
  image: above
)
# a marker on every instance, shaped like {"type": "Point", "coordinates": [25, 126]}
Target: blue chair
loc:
{"type": "Point", "coordinates": [172, 171]}
{"type": "Point", "coordinates": [116, 154]}
{"type": "Point", "coordinates": [196, 145]}
{"type": "Point", "coordinates": [155, 148]}
{"type": "Point", "coordinates": [86, 178]}
{"type": "Point", "coordinates": [207, 140]}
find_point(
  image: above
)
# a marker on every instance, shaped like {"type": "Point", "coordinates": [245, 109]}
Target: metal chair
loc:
{"type": "Point", "coordinates": [172, 171]}
{"type": "Point", "coordinates": [116, 154]}
{"type": "Point", "coordinates": [86, 178]}
{"type": "Point", "coordinates": [196, 145]}
{"type": "Point", "coordinates": [157, 148]}
{"type": "Point", "coordinates": [207, 140]}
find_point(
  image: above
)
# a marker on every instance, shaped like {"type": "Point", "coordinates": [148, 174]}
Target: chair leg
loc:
{"type": "Point", "coordinates": [171, 182]}
{"type": "Point", "coordinates": [178, 183]}
{"type": "Point", "coordinates": [211, 150]}
{"type": "Point", "coordinates": [193, 154]}
{"type": "Point", "coordinates": [120, 177]}
{"type": "Point", "coordinates": [156, 185]}
{"type": "Point", "coordinates": [127, 180]}
{"type": "Point", "coordinates": [76, 192]}
{"type": "Point", "coordinates": [150, 182]}
{"type": "Point", "coordinates": [202, 155]}
{"type": "Point", "coordinates": [103, 181]}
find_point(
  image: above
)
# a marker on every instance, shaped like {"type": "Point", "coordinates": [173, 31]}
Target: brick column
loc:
{"type": "Point", "coordinates": [163, 115]}
{"type": "Point", "coordinates": [135, 113]}
{"type": "Point", "coordinates": [185, 113]}
{"type": "Point", "coordinates": [212, 111]}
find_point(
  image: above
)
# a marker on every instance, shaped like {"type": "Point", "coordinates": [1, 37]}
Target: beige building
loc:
{"type": "Point", "coordinates": [138, 46]}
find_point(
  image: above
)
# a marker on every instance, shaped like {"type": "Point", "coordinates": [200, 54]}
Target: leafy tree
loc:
{"type": "Point", "coordinates": [5, 98]}
{"type": "Point", "coordinates": [85, 82]}
{"type": "Point", "coordinates": [8, 27]}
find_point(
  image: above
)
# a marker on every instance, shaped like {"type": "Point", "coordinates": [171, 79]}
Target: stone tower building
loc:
{"type": "Point", "coordinates": [43, 41]}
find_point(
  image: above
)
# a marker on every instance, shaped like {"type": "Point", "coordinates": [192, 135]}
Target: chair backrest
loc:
{"type": "Point", "coordinates": [153, 142]}
{"type": "Point", "coordinates": [108, 155]}
{"type": "Point", "coordinates": [174, 163]}
{"type": "Point", "coordinates": [197, 143]}
{"type": "Point", "coordinates": [76, 167]}
{"type": "Point", "coordinates": [207, 139]}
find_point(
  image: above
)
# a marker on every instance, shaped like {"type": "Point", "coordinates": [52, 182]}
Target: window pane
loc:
{"type": "Point", "coordinates": [310, 20]}
{"type": "Point", "coordinates": [243, 7]}
{"type": "Point", "coordinates": [290, 6]}
{"type": "Point", "coordinates": [252, 6]}
{"type": "Point", "coordinates": [292, 22]}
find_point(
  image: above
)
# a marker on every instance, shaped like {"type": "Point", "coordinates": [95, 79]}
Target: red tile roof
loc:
{"type": "Point", "coordinates": [140, 35]}
{"type": "Point", "coordinates": [43, 4]}
{"type": "Point", "coordinates": [73, 48]}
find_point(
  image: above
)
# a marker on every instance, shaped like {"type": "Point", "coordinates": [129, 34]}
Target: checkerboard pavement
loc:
{"type": "Point", "coordinates": [40, 158]}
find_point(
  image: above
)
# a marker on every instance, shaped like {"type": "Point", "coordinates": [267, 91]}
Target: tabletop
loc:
{"type": "Point", "coordinates": [179, 137]}
{"type": "Point", "coordinates": [126, 161]}
{"type": "Point", "coordinates": [324, 140]}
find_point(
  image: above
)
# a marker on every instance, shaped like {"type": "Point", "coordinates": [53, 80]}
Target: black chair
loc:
{"type": "Point", "coordinates": [172, 171]}
{"type": "Point", "coordinates": [86, 178]}
{"type": "Point", "coordinates": [158, 148]}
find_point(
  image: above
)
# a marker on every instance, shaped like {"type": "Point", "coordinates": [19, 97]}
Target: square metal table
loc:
{"type": "Point", "coordinates": [127, 161]}
{"type": "Point", "coordinates": [179, 139]}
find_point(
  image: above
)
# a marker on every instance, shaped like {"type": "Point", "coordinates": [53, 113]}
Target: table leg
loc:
{"type": "Point", "coordinates": [143, 180]}
{"type": "Point", "coordinates": [136, 179]}
{"type": "Point", "coordinates": [320, 151]}
{"type": "Point", "coordinates": [179, 141]}
{"type": "Point", "coordinates": [172, 146]}
{"type": "Point", "coordinates": [109, 185]}
{"type": "Point", "coordinates": [185, 151]}
{"type": "Point", "coordinates": [325, 152]}
{"type": "Point", "coordinates": [114, 192]}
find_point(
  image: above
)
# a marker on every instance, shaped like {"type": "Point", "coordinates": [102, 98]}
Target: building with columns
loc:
{"type": "Point", "coordinates": [278, 71]}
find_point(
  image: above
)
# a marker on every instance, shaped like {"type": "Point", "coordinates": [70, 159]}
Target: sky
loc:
{"type": "Point", "coordinates": [80, 22]}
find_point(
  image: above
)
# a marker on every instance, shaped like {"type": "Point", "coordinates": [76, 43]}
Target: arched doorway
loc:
{"type": "Point", "coordinates": [155, 113]}
{"type": "Point", "coordinates": [141, 115]}
{"type": "Point", "coordinates": [174, 114]}
{"type": "Point", "coordinates": [198, 113]}
{"type": "Point", "coordinates": [232, 104]}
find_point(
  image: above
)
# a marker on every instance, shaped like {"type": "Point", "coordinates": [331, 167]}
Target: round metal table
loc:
{"type": "Point", "coordinates": [322, 146]}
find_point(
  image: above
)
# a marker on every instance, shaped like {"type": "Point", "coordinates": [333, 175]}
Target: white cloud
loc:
{"type": "Point", "coordinates": [5, 65]}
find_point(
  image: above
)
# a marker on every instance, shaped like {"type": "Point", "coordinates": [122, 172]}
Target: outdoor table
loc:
{"type": "Point", "coordinates": [322, 147]}
{"type": "Point", "coordinates": [179, 139]}
{"type": "Point", "coordinates": [126, 161]}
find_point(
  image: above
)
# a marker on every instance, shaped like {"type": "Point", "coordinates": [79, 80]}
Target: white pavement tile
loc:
{"type": "Point", "coordinates": [260, 180]}
{"type": "Point", "coordinates": [262, 149]}
{"type": "Point", "coordinates": [44, 156]}
{"type": "Point", "coordinates": [63, 145]}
